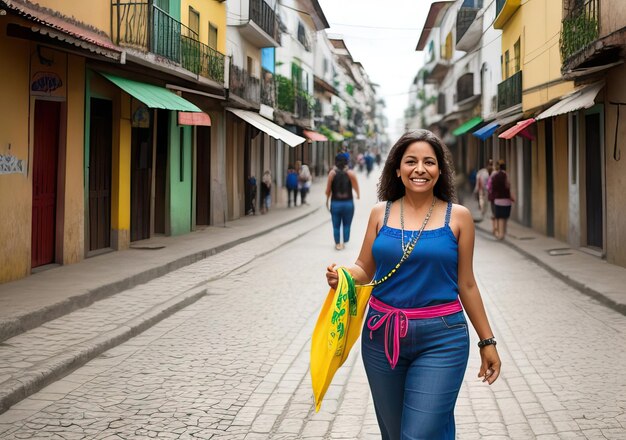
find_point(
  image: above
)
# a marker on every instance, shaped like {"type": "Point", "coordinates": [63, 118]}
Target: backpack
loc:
{"type": "Point", "coordinates": [341, 186]}
{"type": "Point", "coordinates": [292, 181]}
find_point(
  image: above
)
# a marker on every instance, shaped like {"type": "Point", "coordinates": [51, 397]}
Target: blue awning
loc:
{"type": "Point", "coordinates": [486, 131]}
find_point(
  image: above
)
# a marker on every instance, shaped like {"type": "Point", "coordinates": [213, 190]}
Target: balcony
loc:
{"type": "Point", "coordinates": [438, 72]}
{"type": "Point", "coordinates": [580, 28]}
{"type": "Point", "coordinates": [243, 85]}
{"type": "Point", "coordinates": [147, 28]}
{"type": "Point", "coordinates": [202, 59]}
{"type": "Point", "coordinates": [510, 91]}
{"type": "Point", "coordinates": [505, 10]}
{"type": "Point", "coordinates": [261, 28]}
{"type": "Point", "coordinates": [468, 28]}
{"type": "Point", "coordinates": [465, 87]}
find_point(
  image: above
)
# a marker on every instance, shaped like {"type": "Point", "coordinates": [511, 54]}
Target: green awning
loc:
{"type": "Point", "coordinates": [151, 95]}
{"type": "Point", "coordinates": [467, 126]}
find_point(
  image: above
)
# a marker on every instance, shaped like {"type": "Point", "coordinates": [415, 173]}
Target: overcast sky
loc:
{"type": "Point", "coordinates": [382, 36]}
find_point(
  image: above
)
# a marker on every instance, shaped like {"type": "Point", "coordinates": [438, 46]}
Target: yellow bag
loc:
{"type": "Point", "coordinates": [337, 329]}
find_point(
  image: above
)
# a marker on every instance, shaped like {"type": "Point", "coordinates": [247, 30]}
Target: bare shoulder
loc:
{"type": "Point", "coordinates": [377, 215]}
{"type": "Point", "coordinates": [378, 209]}
{"type": "Point", "coordinates": [461, 213]}
{"type": "Point", "coordinates": [461, 219]}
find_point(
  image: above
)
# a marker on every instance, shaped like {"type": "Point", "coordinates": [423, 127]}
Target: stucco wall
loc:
{"type": "Point", "coordinates": [73, 224]}
{"type": "Point", "coordinates": [15, 189]}
{"type": "Point", "coordinates": [541, 58]}
{"type": "Point", "coordinates": [612, 16]}
{"type": "Point", "coordinates": [210, 11]}
{"type": "Point", "coordinates": [93, 13]}
{"type": "Point", "coordinates": [615, 170]}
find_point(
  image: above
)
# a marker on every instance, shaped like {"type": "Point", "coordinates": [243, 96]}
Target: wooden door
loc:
{"type": "Point", "coordinates": [141, 183]}
{"type": "Point", "coordinates": [593, 180]}
{"type": "Point", "coordinates": [45, 166]}
{"type": "Point", "coordinates": [100, 144]}
{"type": "Point", "coordinates": [203, 175]}
{"type": "Point", "coordinates": [549, 178]}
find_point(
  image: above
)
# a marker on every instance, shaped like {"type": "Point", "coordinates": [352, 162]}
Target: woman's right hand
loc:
{"type": "Point", "coordinates": [331, 276]}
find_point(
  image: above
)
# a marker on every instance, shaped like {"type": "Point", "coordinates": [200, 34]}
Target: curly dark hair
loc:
{"type": "Point", "coordinates": [392, 188]}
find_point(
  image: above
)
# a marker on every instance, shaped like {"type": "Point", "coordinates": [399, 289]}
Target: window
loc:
{"type": "Point", "coordinates": [506, 64]}
{"type": "Point", "coordinates": [250, 66]}
{"type": "Point", "coordinates": [194, 23]}
{"type": "Point", "coordinates": [448, 48]}
{"type": "Point", "coordinates": [516, 51]}
{"type": "Point", "coordinates": [325, 65]}
{"type": "Point", "coordinates": [302, 37]}
{"type": "Point", "coordinates": [212, 36]}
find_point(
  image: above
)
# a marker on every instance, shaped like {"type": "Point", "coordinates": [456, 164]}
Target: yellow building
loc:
{"type": "Point", "coordinates": [531, 67]}
{"type": "Point", "coordinates": [94, 160]}
{"type": "Point", "coordinates": [42, 137]}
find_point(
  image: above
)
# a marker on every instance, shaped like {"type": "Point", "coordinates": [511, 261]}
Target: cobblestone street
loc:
{"type": "Point", "coordinates": [234, 365]}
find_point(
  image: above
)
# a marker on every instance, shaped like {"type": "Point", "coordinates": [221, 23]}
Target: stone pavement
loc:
{"type": "Point", "coordinates": [585, 272]}
{"type": "Point", "coordinates": [29, 302]}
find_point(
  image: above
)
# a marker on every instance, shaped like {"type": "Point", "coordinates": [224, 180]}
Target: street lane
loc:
{"type": "Point", "coordinates": [234, 365]}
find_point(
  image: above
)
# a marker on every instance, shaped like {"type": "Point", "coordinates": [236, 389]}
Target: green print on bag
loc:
{"type": "Point", "coordinates": [345, 306]}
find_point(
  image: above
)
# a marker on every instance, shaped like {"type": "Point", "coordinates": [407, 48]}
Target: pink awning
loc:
{"type": "Point", "coordinates": [314, 136]}
{"type": "Point", "coordinates": [520, 128]}
{"type": "Point", "coordinates": [194, 118]}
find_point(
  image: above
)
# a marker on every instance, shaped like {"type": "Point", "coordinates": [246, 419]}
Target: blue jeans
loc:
{"type": "Point", "coordinates": [341, 212]}
{"type": "Point", "coordinates": [416, 399]}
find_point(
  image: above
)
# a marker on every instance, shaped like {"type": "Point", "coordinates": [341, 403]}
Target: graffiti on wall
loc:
{"type": "Point", "coordinates": [11, 165]}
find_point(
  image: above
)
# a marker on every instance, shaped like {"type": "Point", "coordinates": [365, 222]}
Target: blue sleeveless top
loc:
{"type": "Point", "coordinates": [428, 277]}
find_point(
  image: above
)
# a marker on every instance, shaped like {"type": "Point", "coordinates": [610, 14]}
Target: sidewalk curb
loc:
{"type": "Point", "coordinates": [598, 296]}
{"type": "Point", "coordinates": [22, 323]}
{"type": "Point", "coordinates": [38, 376]}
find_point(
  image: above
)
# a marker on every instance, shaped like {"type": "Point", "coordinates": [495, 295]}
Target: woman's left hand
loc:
{"type": "Point", "coordinates": [490, 364]}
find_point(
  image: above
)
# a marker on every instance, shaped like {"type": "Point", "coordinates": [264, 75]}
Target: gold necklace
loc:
{"type": "Point", "coordinates": [430, 211]}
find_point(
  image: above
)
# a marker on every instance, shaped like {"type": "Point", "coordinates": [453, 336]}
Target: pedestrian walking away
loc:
{"type": "Point", "coordinates": [304, 183]}
{"type": "Point", "coordinates": [266, 191]}
{"type": "Point", "coordinates": [502, 199]}
{"type": "Point", "coordinates": [291, 183]}
{"type": "Point", "coordinates": [480, 188]}
{"type": "Point", "coordinates": [341, 183]}
{"type": "Point", "coordinates": [416, 363]}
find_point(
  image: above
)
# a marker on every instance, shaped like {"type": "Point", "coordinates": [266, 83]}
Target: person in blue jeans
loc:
{"type": "Point", "coordinates": [341, 183]}
{"type": "Point", "coordinates": [415, 343]}
{"type": "Point", "coordinates": [291, 183]}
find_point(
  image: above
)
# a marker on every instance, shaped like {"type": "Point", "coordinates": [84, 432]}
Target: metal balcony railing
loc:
{"type": "Point", "coordinates": [146, 27]}
{"type": "Point", "coordinates": [580, 28]}
{"type": "Point", "coordinates": [264, 16]}
{"type": "Point", "coordinates": [202, 59]}
{"type": "Point", "coordinates": [244, 85]}
{"type": "Point", "coordinates": [510, 91]}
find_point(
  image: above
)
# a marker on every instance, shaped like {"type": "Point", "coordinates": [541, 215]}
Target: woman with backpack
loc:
{"type": "Point", "coordinates": [341, 182]}
{"type": "Point", "coordinates": [502, 199]}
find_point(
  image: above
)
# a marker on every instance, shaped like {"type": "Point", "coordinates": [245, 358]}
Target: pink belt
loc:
{"type": "Point", "coordinates": [400, 321]}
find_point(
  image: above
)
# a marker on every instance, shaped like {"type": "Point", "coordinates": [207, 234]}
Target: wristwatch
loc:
{"type": "Point", "coordinates": [488, 341]}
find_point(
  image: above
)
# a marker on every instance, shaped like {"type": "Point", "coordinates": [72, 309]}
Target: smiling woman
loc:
{"type": "Point", "coordinates": [415, 367]}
